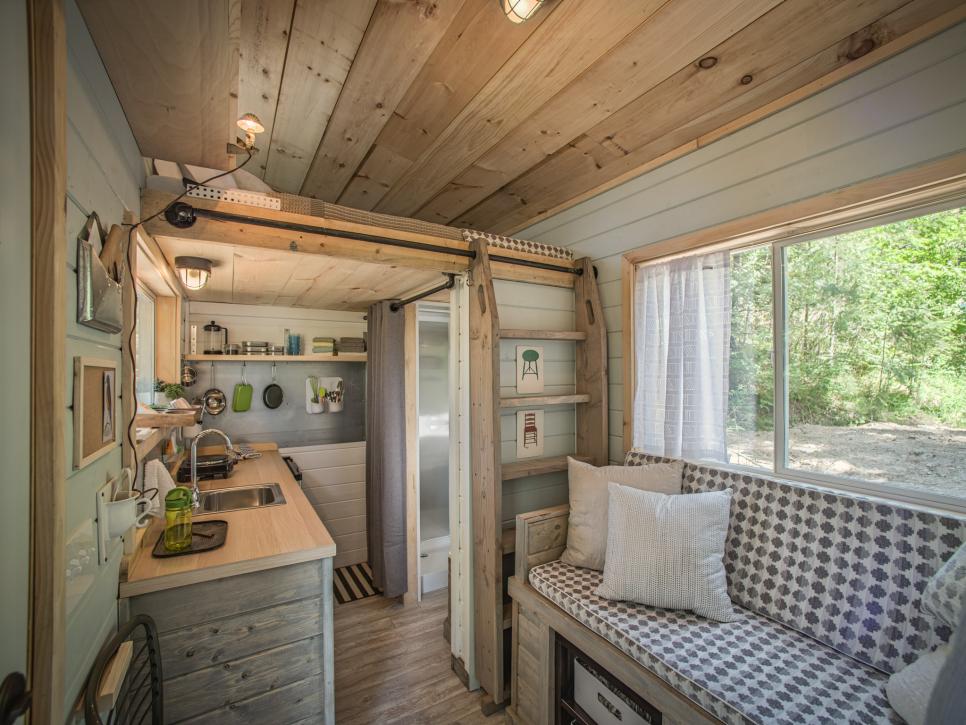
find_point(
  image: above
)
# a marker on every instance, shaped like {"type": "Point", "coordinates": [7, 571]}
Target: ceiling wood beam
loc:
{"type": "Point", "coordinates": [324, 38]}
{"type": "Point", "coordinates": [265, 26]}
{"type": "Point", "coordinates": [571, 39]}
{"type": "Point", "coordinates": [400, 39]}
{"type": "Point", "coordinates": [478, 42]}
{"type": "Point", "coordinates": [640, 62]}
{"type": "Point", "coordinates": [670, 119]}
{"type": "Point", "coordinates": [206, 230]}
{"type": "Point", "coordinates": [174, 66]}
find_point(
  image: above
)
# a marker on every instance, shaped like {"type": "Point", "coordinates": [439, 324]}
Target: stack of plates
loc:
{"type": "Point", "coordinates": [251, 347]}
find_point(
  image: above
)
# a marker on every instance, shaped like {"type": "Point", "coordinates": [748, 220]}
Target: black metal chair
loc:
{"type": "Point", "coordinates": [140, 698]}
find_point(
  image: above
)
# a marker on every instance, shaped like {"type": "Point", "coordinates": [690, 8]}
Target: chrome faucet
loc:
{"type": "Point", "coordinates": [195, 491]}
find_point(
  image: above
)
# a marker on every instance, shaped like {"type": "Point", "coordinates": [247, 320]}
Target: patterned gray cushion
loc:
{"type": "Point", "coordinates": [945, 594]}
{"type": "Point", "coordinates": [844, 569]}
{"type": "Point", "coordinates": [753, 670]}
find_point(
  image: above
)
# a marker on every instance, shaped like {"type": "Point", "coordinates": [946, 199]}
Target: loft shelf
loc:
{"type": "Point", "coordinates": [537, 466]}
{"type": "Point", "coordinates": [341, 357]}
{"type": "Point", "coordinates": [522, 401]}
{"type": "Point", "coordinates": [515, 334]}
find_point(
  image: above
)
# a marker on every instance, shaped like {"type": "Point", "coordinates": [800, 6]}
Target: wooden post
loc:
{"type": "Point", "coordinates": [487, 482]}
{"type": "Point", "coordinates": [48, 329]}
{"type": "Point", "coordinates": [592, 436]}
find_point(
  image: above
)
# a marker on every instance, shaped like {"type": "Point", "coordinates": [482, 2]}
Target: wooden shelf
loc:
{"type": "Point", "coordinates": [523, 401]}
{"type": "Point", "coordinates": [536, 466]}
{"type": "Point", "coordinates": [516, 334]}
{"type": "Point", "coordinates": [166, 420]}
{"type": "Point", "coordinates": [147, 444]}
{"type": "Point", "coordinates": [312, 358]}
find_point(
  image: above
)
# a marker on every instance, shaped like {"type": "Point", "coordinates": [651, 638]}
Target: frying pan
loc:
{"type": "Point", "coordinates": [214, 400]}
{"type": "Point", "coordinates": [273, 396]}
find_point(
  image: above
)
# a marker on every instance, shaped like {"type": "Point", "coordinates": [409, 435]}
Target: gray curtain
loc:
{"type": "Point", "coordinates": [386, 449]}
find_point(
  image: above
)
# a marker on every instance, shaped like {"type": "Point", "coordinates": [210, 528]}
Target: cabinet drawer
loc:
{"type": "Point", "coordinates": [603, 704]}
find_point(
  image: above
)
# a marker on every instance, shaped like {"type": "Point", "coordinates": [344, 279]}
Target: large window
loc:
{"type": "Point", "coordinates": [144, 346]}
{"type": "Point", "coordinates": [838, 359]}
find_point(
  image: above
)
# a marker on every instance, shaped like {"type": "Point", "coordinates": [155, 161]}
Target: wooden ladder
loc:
{"type": "Point", "coordinates": [491, 541]}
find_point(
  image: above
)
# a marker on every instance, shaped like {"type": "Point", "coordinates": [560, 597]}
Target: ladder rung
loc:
{"type": "Point", "coordinates": [522, 401]}
{"type": "Point", "coordinates": [536, 466]}
{"type": "Point", "coordinates": [517, 334]}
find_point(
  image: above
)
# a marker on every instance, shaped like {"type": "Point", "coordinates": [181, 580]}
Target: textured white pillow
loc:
{"type": "Point", "coordinates": [945, 594]}
{"type": "Point", "coordinates": [668, 551]}
{"type": "Point", "coordinates": [910, 688]}
{"type": "Point", "coordinates": [587, 526]}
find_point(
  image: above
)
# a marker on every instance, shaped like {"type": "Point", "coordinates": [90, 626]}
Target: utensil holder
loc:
{"type": "Point", "coordinates": [311, 407]}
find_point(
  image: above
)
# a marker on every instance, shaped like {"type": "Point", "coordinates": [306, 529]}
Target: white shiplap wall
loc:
{"type": "Point", "coordinates": [908, 110]}
{"type": "Point", "coordinates": [532, 306]}
{"type": "Point", "coordinates": [104, 174]}
{"type": "Point", "coordinates": [334, 481]}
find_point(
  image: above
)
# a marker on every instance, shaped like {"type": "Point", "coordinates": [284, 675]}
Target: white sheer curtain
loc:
{"type": "Point", "coordinates": [682, 312]}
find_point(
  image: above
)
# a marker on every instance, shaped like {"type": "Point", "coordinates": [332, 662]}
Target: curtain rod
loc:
{"type": "Point", "coordinates": [182, 216]}
{"type": "Point", "coordinates": [448, 284]}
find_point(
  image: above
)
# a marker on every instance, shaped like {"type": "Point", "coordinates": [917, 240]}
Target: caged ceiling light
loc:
{"type": "Point", "coordinates": [194, 271]}
{"type": "Point", "coordinates": [520, 11]}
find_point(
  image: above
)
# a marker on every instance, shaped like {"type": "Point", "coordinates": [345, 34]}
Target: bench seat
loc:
{"type": "Point", "coordinates": [754, 670]}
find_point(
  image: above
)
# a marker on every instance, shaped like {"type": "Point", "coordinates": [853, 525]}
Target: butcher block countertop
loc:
{"type": "Point", "coordinates": [258, 538]}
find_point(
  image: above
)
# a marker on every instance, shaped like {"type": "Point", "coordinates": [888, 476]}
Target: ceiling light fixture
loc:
{"type": "Point", "coordinates": [520, 11]}
{"type": "Point", "coordinates": [194, 271]}
{"type": "Point", "coordinates": [250, 124]}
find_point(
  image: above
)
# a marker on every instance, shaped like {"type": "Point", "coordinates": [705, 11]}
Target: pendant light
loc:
{"type": "Point", "coordinates": [519, 11]}
{"type": "Point", "coordinates": [194, 271]}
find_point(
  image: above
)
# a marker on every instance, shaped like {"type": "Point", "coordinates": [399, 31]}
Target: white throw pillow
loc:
{"type": "Point", "coordinates": [587, 526]}
{"type": "Point", "coordinates": [945, 594]}
{"type": "Point", "coordinates": [910, 688]}
{"type": "Point", "coordinates": [668, 551]}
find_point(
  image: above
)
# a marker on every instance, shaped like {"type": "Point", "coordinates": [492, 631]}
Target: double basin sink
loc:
{"type": "Point", "coordinates": [244, 497]}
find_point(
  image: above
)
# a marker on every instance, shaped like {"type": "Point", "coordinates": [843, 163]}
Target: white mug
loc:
{"type": "Point", "coordinates": [122, 513]}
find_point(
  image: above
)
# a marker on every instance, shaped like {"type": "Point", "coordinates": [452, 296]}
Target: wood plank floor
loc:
{"type": "Point", "coordinates": [392, 665]}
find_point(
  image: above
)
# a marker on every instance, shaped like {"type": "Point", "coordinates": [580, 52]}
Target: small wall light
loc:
{"type": "Point", "coordinates": [520, 10]}
{"type": "Point", "coordinates": [194, 271]}
{"type": "Point", "coordinates": [250, 124]}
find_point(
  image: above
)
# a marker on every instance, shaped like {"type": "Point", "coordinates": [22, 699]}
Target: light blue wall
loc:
{"type": "Point", "coordinates": [104, 174]}
{"type": "Point", "coordinates": [15, 333]}
{"type": "Point", "coordinates": [909, 110]}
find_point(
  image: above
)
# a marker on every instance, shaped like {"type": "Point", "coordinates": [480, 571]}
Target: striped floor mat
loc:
{"type": "Point", "coordinates": [353, 582]}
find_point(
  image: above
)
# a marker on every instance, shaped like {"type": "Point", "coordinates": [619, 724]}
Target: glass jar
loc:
{"type": "Point", "coordinates": [177, 519]}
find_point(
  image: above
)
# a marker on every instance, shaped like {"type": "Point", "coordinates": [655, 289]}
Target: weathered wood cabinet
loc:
{"type": "Point", "coordinates": [250, 648]}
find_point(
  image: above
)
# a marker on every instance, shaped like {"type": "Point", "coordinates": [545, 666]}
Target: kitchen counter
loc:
{"type": "Point", "coordinates": [258, 538]}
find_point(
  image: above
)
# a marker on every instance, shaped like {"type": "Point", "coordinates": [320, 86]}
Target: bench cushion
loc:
{"type": "Point", "coordinates": [845, 569]}
{"type": "Point", "coordinates": [753, 670]}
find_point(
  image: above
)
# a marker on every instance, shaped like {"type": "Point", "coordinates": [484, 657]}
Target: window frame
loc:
{"type": "Point", "coordinates": [917, 192]}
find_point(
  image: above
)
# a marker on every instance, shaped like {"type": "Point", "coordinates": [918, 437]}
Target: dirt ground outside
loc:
{"type": "Point", "coordinates": [930, 458]}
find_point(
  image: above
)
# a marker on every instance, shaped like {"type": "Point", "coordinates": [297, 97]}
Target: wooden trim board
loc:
{"type": "Point", "coordinates": [48, 325]}
{"type": "Point", "coordinates": [921, 186]}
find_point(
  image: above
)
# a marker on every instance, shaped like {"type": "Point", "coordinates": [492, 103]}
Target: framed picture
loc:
{"type": "Point", "coordinates": [529, 433]}
{"type": "Point", "coordinates": [95, 409]}
{"type": "Point", "coordinates": [529, 369]}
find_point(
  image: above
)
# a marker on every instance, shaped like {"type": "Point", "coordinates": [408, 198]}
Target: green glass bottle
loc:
{"type": "Point", "coordinates": [177, 519]}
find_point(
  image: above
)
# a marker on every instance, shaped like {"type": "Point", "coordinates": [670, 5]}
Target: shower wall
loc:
{"type": "Point", "coordinates": [433, 322]}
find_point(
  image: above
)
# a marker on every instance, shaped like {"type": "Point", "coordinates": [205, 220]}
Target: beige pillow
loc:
{"type": "Point", "coordinates": [668, 551]}
{"type": "Point", "coordinates": [587, 528]}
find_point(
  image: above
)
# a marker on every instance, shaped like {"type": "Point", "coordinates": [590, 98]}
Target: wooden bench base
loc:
{"type": "Point", "coordinates": [536, 622]}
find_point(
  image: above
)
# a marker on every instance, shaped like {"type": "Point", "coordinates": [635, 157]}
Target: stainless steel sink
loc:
{"type": "Point", "coordinates": [243, 497]}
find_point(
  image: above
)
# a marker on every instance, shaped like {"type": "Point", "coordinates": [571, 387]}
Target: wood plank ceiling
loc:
{"type": "Point", "coordinates": [444, 110]}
